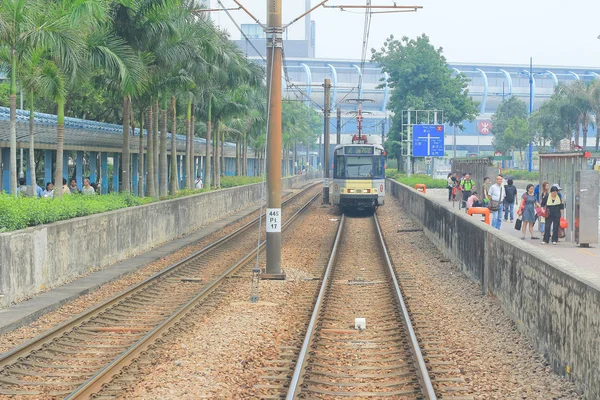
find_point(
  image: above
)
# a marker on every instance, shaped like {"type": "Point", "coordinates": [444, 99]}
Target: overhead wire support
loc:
{"type": "Point", "coordinates": [413, 8]}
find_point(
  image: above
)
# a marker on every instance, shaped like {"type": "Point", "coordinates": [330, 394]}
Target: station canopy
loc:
{"type": "Point", "coordinates": [84, 135]}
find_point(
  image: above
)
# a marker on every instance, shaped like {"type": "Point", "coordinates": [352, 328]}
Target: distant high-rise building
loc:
{"type": "Point", "coordinates": [304, 48]}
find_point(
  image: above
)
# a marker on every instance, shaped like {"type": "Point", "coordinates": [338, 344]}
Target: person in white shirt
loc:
{"type": "Point", "coordinates": [497, 194]}
{"type": "Point", "coordinates": [198, 184]}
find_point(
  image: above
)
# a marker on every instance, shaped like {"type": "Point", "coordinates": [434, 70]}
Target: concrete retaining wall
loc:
{"type": "Point", "coordinates": [550, 301]}
{"type": "Point", "coordinates": [47, 256]}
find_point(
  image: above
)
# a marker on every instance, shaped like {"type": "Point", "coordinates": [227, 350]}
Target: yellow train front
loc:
{"type": "Point", "coordinates": [358, 176]}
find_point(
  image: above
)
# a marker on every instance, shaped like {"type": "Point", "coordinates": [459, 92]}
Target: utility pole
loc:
{"type": "Point", "coordinates": [273, 219]}
{"type": "Point", "coordinates": [326, 112]}
{"type": "Point", "coordinates": [382, 130]}
{"type": "Point", "coordinates": [339, 125]}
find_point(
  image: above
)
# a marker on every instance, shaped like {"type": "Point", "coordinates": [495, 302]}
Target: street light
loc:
{"type": "Point", "coordinates": [530, 112]}
{"type": "Point", "coordinates": [531, 75]}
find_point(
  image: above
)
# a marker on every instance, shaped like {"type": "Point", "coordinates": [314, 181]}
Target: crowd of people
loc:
{"type": "Point", "coordinates": [87, 189]}
{"type": "Point", "coordinates": [543, 204]}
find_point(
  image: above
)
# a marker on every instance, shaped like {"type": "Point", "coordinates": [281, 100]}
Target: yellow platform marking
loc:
{"type": "Point", "coordinates": [588, 253]}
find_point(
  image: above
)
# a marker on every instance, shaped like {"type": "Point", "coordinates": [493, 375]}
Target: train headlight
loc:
{"type": "Point", "coordinates": [350, 190]}
{"type": "Point", "coordinates": [374, 190]}
{"type": "Point", "coordinates": [367, 190]}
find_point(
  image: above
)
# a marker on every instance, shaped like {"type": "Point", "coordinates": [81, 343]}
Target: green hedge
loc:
{"type": "Point", "coordinates": [21, 212]}
{"type": "Point", "coordinates": [418, 178]}
{"type": "Point", "coordinates": [232, 181]}
{"type": "Point", "coordinates": [521, 175]}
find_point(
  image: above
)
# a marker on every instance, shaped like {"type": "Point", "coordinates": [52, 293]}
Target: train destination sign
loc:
{"type": "Point", "coordinates": [428, 140]}
{"type": "Point", "coordinates": [359, 150]}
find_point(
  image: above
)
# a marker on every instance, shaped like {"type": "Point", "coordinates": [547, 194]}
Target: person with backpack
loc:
{"type": "Point", "coordinates": [509, 200]}
{"type": "Point", "coordinates": [467, 186]}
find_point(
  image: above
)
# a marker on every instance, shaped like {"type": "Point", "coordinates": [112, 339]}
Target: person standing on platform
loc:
{"type": "Point", "coordinates": [87, 189]}
{"type": "Point", "coordinates": [486, 191]}
{"type": "Point", "coordinates": [527, 211]}
{"type": "Point", "coordinates": [509, 200]}
{"type": "Point", "coordinates": [49, 192]}
{"type": "Point", "coordinates": [497, 195]}
{"type": "Point", "coordinates": [73, 187]}
{"type": "Point", "coordinates": [450, 185]}
{"type": "Point", "coordinates": [541, 194]}
{"type": "Point", "coordinates": [467, 185]}
{"type": "Point", "coordinates": [555, 207]}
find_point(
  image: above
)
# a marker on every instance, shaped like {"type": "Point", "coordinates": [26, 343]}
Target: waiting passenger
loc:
{"type": "Point", "coordinates": [198, 184]}
{"type": "Point", "coordinates": [65, 187]}
{"type": "Point", "coordinates": [87, 188]}
{"type": "Point", "coordinates": [73, 187]}
{"type": "Point", "coordinates": [556, 208]}
{"type": "Point", "coordinates": [49, 192]}
{"type": "Point", "coordinates": [473, 201]}
{"type": "Point", "coordinates": [23, 190]}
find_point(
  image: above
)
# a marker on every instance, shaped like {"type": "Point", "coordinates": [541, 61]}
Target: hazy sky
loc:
{"type": "Point", "coordinates": [553, 32]}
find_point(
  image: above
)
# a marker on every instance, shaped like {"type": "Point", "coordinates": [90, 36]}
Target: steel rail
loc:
{"type": "Point", "coordinates": [302, 359]}
{"type": "Point", "coordinates": [43, 339]}
{"type": "Point", "coordinates": [426, 386]}
{"type": "Point", "coordinates": [424, 379]}
{"type": "Point", "coordinates": [96, 382]}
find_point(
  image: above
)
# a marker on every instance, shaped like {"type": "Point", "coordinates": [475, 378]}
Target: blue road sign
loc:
{"type": "Point", "coordinates": [428, 140]}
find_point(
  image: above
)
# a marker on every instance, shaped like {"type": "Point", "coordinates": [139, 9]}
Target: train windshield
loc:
{"type": "Point", "coordinates": [363, 167]}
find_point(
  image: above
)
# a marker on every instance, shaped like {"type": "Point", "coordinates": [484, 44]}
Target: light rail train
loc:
{"type": "Point", "coordinates": [358, 175]}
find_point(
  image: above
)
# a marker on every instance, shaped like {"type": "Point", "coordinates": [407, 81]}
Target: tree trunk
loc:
{"type": "Point", "coordinates": [13, 144]}
{"type": "Point", "coordinates": [222, 168]}
{"type": "Point", "coordinates": [237, 155]}
{"type": "Point", "coordinates": [163, 152]}
{"type": "Point", "coordinates": [31, 168]}
{"type": "Point", "coordinates": [193, 171]}
{"type": "Point", "coordinates": [140, 177]}
{"type": "Point", "coordinates": [294, 158]}
{"type": "Point", "coordinates": [207, 166]}
{"type": "Point", "coordinates": [173, 182]}
{"type": "Point", "coordinates": [13, 124]}
{"type": "Point", "coordinates": [245, 157]}
{"type": "Point", "coordinates": [125, 184]}
{"type": "Point", "coordinates": [60, 138]}
{"type": "Point", "coordinates": [597, 138]}
{"type": "Point", "coordinates": [217, 156]}
{"type": "Point", "coordinates": [584, 131]}
{"type": "Point", "coordinates": [188, 145]}
{"type": "Point", "coordinates": [150, 192]}
{"type": "Point", "coordinates": [155, 144]}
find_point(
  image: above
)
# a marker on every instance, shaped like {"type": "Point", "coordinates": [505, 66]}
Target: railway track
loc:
{"type": "Point", "coordinates": [75, 359]}
{"type": "Point", "coordinates": [382, 361]}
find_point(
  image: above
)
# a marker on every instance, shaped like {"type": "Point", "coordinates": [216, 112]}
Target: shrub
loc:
{"type": "Point", "coordinates": [21, 212]}
{"type": "Point", "coordinates": [521, 175]}
{"type": "Point", "coordinates": [232, 181]}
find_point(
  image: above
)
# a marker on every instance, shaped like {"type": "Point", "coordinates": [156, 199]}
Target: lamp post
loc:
{"type": "Point", "coordinates": [530, 152]}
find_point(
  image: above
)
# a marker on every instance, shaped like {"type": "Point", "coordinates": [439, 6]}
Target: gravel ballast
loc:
{"type": "Point", "coordinates": [495, 359]}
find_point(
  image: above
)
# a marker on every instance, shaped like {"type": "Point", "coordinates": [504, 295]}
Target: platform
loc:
{"type": "Point", "coordinates": [588, 259]}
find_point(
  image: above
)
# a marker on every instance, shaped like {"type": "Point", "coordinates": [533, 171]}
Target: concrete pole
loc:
{"type": "Point", "coordinates": [273, 221]}
{"type": "Point", "coordinates": [339, 125]}
{"type": "Point", "coordinates": [326, 112]}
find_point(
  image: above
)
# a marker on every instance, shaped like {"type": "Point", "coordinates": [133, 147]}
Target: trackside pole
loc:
{"type": "Point", "coordinates": [273, 218]}
{"type": "Point", "coordinates": [326, 112]}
